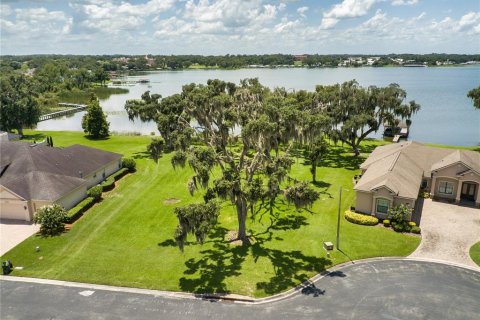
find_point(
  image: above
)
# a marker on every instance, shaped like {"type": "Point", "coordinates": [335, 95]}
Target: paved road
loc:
{"type": "Point", "coordinates": [374, 290]}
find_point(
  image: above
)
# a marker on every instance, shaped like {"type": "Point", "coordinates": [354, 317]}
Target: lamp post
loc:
{"type": "Point", "coordinates": [338, 219]}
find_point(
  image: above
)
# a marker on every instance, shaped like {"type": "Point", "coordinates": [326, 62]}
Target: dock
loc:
{"type": "Point", "coordinates": [72, 108]}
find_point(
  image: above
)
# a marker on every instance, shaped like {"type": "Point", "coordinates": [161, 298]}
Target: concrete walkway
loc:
{"type": "Point", "coordinates": [448, 232]}
{"type": "Point", "coordinates": [12, 232]}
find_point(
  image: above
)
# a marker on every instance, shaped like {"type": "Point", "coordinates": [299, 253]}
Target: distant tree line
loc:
{"type": "Point", "coordinates": [99, 65]}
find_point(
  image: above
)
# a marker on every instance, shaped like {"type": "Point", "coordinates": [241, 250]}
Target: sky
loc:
{"type": "Point", "coordinates": [219, 27]}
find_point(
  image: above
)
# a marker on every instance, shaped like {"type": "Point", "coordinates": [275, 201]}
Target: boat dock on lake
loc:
{"type": "Point", "coordinates": [398, 131]}
{"type": "Point", "coordinates": [72, 108]}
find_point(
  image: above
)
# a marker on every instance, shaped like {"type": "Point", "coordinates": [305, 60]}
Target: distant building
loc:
{"type": "Point", "coordinates": [300, 57]}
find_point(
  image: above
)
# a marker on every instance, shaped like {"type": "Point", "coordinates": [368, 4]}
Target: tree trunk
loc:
{"type": "Point", "coordinates": [313, 169]}
{"type": "Point", "coordinates": [356, 151]}
{"type": "Point", "coordinates": [241, 205]}
{"type": "Point", "coordinates": [20, 131]}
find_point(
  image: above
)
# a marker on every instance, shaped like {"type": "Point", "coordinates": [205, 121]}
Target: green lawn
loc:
{"type": "Point", "coordinates": [475, 253]}
{"type": "Point", "coordinates": [127, 239]}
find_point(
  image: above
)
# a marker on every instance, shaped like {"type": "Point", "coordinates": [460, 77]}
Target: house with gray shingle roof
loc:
{"type": "Point", "coordinates": [33, 175]}
{"type": "Point", "coordinates": [396, 173]}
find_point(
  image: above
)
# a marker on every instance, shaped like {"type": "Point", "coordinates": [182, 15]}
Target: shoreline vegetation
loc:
{"type": "Point", "coordinates": [113, 64]}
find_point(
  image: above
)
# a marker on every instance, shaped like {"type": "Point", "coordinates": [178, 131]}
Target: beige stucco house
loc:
{"type": "Point", "coordinates": [396, 173]}
{"type": "Point", "coordinates": [32, 176]}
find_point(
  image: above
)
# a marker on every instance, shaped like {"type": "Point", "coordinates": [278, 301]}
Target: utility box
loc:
{"type": "Point", "coordinates": [328, 246]}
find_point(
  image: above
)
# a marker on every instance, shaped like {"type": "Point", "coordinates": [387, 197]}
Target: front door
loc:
{"type": "Point", "coordinates": [468, 191]}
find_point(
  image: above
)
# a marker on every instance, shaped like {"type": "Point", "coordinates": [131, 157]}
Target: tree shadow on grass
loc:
{"type": "Point", "coordinates": [291, 268]}
{"type": "Point", "coordinates": [336, 157]}
{"type": "Point", "coordinates": [89, 137]}
{"type": "Point", "coordinates": [223, 260]}
{"type": "Point", "coordinates": [34, 137]}
{"type": "Point", "coordinates": [141, 155]}
{"type": "Point", "coordinates": [208, 273]}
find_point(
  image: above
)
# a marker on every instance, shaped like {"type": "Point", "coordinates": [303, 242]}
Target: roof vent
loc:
{"type": "Point", "coordinates": [80, 173]}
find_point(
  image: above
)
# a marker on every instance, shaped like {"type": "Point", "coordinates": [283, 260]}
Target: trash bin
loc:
{"type": "Point", "coordinates": [7, 267]}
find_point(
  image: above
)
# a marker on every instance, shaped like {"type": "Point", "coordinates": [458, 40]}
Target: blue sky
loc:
{"type": "Point", "coordinates": [239, 26]}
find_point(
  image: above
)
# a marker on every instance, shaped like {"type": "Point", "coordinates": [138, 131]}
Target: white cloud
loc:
{"type": "Point", "coordinates": [35, 22]}
{"type": "Point", "coordinates": [114, 17]}
{"type": "Point", "coordinates": [302, 10]}
{"type": "Point", "coordinates": [471, 19]}
{"type": "Point", "coordinates": [468, 23]}
{"type": "Point", "coordinates": [404, 2]}
{"type": "Point", "coordinates": [346, 9]}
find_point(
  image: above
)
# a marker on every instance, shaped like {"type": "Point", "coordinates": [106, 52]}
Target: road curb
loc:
{"type": "Point", "coordinates": [226, 297]}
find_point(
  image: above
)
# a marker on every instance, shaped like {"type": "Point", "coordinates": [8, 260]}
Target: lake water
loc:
{"type": "Point", "coordinates": [447, 115]}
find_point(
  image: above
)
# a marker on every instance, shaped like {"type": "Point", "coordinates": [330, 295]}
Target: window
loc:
{"type": "Point", "coordinates": [383, 205]}
{"type": "Point", "coordinates": [445, 187]}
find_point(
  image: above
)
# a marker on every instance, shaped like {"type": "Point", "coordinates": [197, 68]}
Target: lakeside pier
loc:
{"type": "Point", "coordinates": [72, 108]}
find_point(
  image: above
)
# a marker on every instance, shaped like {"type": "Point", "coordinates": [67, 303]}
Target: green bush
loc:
{"type": "Point", "coordinates": [51, 219]}
{"type": "Point", "coordinates": [412, 224]}
{"type": "Point", "coordinates": [401, 226]}
{"type": "Point", "coordinates": [359, 218]}
{"type": "Point", "coordinates": [95, 192]}
{"type": "Point", "coordinates": [119, 174]}
{"type": "Point", "coordinates": [129, 163]}
{"type": "Point", "coordinates": [108, 184]}
{"type": "Point", "coordinates": [386, 223]}
{"type": "Point", "coordinates": [80, 208]}
{"type": "Point", "coordinates": [416, 230]}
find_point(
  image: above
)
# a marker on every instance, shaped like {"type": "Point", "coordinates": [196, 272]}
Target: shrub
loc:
{"type": "Point", "coordinates": [119, 174]}
{"type": "Point", "coordinates": [359, 218]}
{"type": "Point", "coordinates": [80, 208]}
{"type": "Point", "coordinates": [412, 224]}
{"type": "Point", "coordinates": [95, 192]}
{"type": "Point", "coordinates": [129, 163]}
{"type": "Point", "coordinates": [424, 195]}
{"type": "Point", "coordinates": [386, 223]}
{"type": "Point", "coordinates": [416, 230]}
{"type": "Point", "coordinates": [108, 184]}
{"type": "Point", "coordinates": [51, 219]}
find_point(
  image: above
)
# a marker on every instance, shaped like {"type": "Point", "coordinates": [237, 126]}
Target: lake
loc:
{"type": "Point", "coordinates": [447, 115]}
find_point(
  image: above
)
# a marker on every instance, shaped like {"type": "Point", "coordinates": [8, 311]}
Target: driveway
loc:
{"type": "Point", "coordinates": [12, 232]}
{"type": "Point", "coordinates": [386, 290]}
{"type": "Point", "coordinates": [448, 232]}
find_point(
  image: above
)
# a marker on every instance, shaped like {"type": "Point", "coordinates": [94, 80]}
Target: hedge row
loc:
{"type": "Point", "coordinates": [119, 174]}
{"type": "Point", "coordinates": [88, 202]}
{"type": "Point", "coordinates": [108, 184]}
{"type": "Point", "coordinates": [80, 208]}
{"type": "Point", "coordinates": [359, 218]}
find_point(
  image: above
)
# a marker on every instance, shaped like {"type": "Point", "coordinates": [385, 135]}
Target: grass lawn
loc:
{"type": "Point", "coordinates": [127, 239]}
{"type": "Point", "coordinates": [475, 253]}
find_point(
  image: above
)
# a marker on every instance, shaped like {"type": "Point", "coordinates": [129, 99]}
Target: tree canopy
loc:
{"type": "Point", "coordinates": [356, 112]}
{"type": "Point", "coordinates": [94, 122]}
{"type": "Point", "coordinates": [474, 94]}
{"type": "Point", "coordinates": [248, 131]}
{"type": "Point", "coordinates": [18, 106]}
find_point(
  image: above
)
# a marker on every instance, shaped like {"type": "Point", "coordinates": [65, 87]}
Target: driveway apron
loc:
{"type": "Point", "coordinates": [12, 232]}
{"type": "Point", "coordinates": [448, 232]}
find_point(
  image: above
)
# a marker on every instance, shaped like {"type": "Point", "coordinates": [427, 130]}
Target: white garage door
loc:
{"type": "Point", "coordinates": [14, 210]}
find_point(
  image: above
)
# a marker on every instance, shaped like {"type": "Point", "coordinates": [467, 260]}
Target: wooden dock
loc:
{"type": "Point", "coordinates": [72, 108]}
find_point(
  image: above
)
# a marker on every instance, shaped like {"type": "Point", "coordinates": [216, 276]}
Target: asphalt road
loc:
{"type": "Point", "coordinates": [387, 289]}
